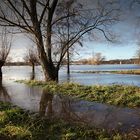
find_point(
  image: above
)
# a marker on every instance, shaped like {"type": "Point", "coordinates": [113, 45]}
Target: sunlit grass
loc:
{"type": "Point", "coordinates": [120, 95]}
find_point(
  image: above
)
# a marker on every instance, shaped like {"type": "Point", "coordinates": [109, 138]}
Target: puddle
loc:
{"type": "Point", "coordinates": [92, 113]}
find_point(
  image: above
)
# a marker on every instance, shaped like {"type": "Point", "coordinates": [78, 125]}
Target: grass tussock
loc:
{"type": "Point", "coordinates": [120, 95]}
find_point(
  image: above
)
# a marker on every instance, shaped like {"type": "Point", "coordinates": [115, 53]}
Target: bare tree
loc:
{"type": "Point", "coordinates": [40, 18]}
{"type": "Point", "coordinates": [5, 46]}
{"type": "Point", "coordinates": [97, 59]}
{"type": "Point", "coordinates": [31, 58]}
{"type": "Point", "coordinates": [65, 28]}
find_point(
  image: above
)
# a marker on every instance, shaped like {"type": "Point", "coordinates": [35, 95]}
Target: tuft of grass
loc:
{"type": "Point", "coordinates": [15, 132]}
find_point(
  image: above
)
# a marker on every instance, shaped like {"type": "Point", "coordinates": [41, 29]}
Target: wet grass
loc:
{"type": "Point", "coordinates": [135, 72]}
{"type": "Point", "coordinates": [18, 124]}
{"type": "Point", "coordinates": [119, 95]}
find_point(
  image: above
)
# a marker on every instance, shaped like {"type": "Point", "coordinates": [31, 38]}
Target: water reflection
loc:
{"type": "Point", "coordinates": [46, 103]}
{"type": "Point", "coordinates": [23, 72]}
{"type": "Point", "coordinates": [95, 114]}
{"type": "Point", "coordinates": [68, 78]}
{"type": "Point", "coordinates": [4, 96]}
{"type": "Point", "coordinates": [57, 105]}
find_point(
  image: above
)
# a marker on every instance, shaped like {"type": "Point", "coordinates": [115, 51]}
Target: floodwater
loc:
{"type": "Point", "coordinates": [24, 72]}
{"type": "Point", "coordinates": [96, 114]}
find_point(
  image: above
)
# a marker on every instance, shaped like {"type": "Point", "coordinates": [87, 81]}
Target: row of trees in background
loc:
{"type": "Point", "coordinates": [55, 26]}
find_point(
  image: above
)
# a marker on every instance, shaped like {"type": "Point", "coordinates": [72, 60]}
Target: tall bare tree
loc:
{"type": "Point", "coordinates": [5, 46]}
{"type": "Point", "coordinates": [65, 28]}
{"type": "Point", "coordinates": [40, 18]}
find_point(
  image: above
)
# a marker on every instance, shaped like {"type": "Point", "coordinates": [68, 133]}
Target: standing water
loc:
{"type": "Point", "coordinates": [92, 113]}
{"type": "Point", "coordinates": [95, 114]}
{"type": "Point", "coordinates": [24, 72]}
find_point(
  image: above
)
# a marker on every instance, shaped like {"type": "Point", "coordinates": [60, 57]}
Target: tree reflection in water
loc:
{"type": "Point", "coordinates": [46, 102]}
{"type": "Point", "coordinates": [4, 96]}
{"type": "Point", "coordinates": [58, 106]}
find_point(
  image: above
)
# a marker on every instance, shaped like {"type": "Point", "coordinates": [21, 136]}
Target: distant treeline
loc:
{"type": "Point", "coordinates": [85, 62]}
{"type": "Point", "coordinates": [122, 61]}
{"type": "Point", "coordinates": [115, 61]}
{"type": "Point", "coordinates": [17, 64]}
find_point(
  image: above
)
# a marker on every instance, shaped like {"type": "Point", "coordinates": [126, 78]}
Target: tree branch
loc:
{"type": "Point", "coordinates": [44, 10]}
{"type": "Point", "coordinates": [22, 17]}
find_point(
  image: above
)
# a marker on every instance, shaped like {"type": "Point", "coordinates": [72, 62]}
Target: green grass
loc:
{"type": "Point", "coordinates": [120, 95]}
{"type": "Point", "coordinates": [17, 124]}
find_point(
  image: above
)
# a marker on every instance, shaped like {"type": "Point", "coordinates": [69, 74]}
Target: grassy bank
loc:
{"type": "Point", "coordinates": [120, 95]}
{"type": "Point", "coordinates": [135, 72]}
{"type": "Point", "coordinates": [17, 124]}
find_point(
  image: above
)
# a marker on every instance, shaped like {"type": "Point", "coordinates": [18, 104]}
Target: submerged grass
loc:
{"type": "Point", "coordinates": [17, 124]}
{"type": "Point", "coordinates": [120, 95]}
{"type": "Point", "coordinates": [135, 72]}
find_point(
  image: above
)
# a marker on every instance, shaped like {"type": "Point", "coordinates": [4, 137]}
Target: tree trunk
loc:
{"type": "Point", "coordinates": [68, 62]}
{"type": "Point", "coordinates": [68, 54]}
{"type": "Point", "coordinates": [44, 50]}
{"type": "Point", "coordinates": [33, 68]}
{"type": "Point", "coordinates": [51, 73]}
{"type": "Point", "coordinates": [1, 73]}
{"type": "Point", "coordinates": [32, 76]}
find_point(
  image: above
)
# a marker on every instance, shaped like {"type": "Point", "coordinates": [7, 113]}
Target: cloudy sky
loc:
{"type": "Point", "coordinates": [127, 30]}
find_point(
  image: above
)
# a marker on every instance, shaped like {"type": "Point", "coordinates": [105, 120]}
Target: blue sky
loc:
{"type": "Point", "coordinates": [110, 51]}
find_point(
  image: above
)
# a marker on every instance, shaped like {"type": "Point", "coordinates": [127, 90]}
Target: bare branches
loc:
{"type": "Point", "coordinates": [31, 57]}
{"type": "Point", "coordinates": [5, 47]}
{"type": "Point", "coordinates": [13, 16]}
{"type": "Point", "coordinates": [56, 26]}
{"type": "Point", "coordinates": [98, 19]}
{"type": "Point", "coordinates": [44, 10]}
{"type": "Point", "coordinates": [26, 7]}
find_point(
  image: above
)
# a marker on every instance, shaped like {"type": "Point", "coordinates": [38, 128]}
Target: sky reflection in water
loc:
{"type": "Point", "coordinates": [22, 72]}
{"type": "Point", "coordinates": [96, 114]}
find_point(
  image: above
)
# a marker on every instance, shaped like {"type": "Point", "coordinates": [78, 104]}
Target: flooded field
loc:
{"type": "Point", "coordinates": [24, 72]}
{"type": "Point", "coordinates": [95, 114]}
